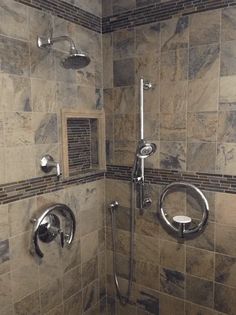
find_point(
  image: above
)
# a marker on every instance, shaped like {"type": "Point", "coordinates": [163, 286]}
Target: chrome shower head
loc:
{"type": "Point", "coordinates": [146, 149]}
{"type": "Point", "coordinates": [76, 58]}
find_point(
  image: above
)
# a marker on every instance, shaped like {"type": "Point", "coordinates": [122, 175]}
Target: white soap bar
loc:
{"type": "Point", "coordinates": [182, 219]}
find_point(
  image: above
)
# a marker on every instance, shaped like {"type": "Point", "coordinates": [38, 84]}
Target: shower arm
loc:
{"type": "Point", "coordinates": [47, 42]}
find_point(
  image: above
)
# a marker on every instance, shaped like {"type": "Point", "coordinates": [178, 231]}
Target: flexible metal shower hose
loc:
{"type": "Point", "coordinates": [124, 299]}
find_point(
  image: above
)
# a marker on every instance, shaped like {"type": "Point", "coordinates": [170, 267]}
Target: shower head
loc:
{"type": "Point", "coordinates": [76, 58]}
{"type": "Point", "coordinates": [145, 149]}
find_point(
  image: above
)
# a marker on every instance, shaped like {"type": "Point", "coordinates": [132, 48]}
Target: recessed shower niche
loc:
{"type": "Point", "coordinates": [83, 142]}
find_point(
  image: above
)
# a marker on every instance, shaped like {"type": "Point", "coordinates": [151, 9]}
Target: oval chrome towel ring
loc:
{"type": "Point", "coordinates": [183, 221]}
{"type": "Point", "coordinates": [48, 226]}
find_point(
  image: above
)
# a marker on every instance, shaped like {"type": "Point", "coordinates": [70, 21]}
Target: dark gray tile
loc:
{"type": "Point", "coordinates": [172, 282]}
{"type": "Point", "coordinates": [123, 72]}
{"type": "Point", "coordinates": [199, 291]}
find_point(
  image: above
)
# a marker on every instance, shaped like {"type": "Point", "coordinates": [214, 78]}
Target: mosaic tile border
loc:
{"type": "Point", "coordinates": [205, 181]}
{"type": "Point", "coordinates": [159, 12]}
{"type": "Point", "coordinates": [68, 12]}
{"type": "Point", "coordinates": [41, 185]}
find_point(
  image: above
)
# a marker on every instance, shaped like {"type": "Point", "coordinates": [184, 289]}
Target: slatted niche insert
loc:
{"type": "Point", "coordinates": [83, 142]}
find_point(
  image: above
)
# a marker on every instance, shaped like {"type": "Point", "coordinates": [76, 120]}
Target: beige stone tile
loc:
{"type": "Point", "coordinates": [14, 19]}
{"type": "Point", "coordinates": [228, 53]}
{"type": "Point", "coordinates": [24, 280]}
{"type": "Point", "coordinates": [59, 310]}
{"type": "Point", "coordinates": [106, 8]}
{"type": "Point", "coordinates": [43, 93]}
{"type": "Point", "coordinates": [148, 67]}
{"type": "Point", "coordinates": [5, 293]}
{"type": "Point", "coordinates": [42, 63]}
{"type": "Point", "coordinates": [107, 60]}
{"type": "Point", "coordinates": [73, 306]}
{"type": "Point", "coordinates": [123, 152]}
{"type": "Point", "coordinates": [71, 256]}
{"type": "Point", "coordinates": [20, 213]}
{"type": "Point", "coordinates": [15, 93]}
{"type": "Point", "coordinates": [172, 255]}
{"type": "Point", "coordinates": [225, 238]}
{"type": "Point", "coordinates": [19, 249]}
{"type": "Point", "coordinates": [225, 270]}
{"type": "Point", "coordinates": [226, 130]}
{"type": "Point", "coordinates": [194, 207]}
{"type": "Point", "coordinates": [225, 213]}
{"type": "Point", "coordinates": [174, 66]}
{"type": "Point", "coordinates": [173, 126]}
{"type": "Point", "coordinates": [72, 282]}
{"type": "Point", "coordinates": [173, 155]}
{"type": "Point", "coordinates": [175, 33]}
{"type": "Point", "coordinates": [148, 39]}
{"type": "Point", "coordinates": [15, 167]}
{"type": "Point", "coordinates": [122, 5]}
{"type": "Point", "coordinates": [86, 97]}
{"type": "Point", "coordinates": [51, 295]}
{"type": "Point", "coordinates": [170, 305]}
{"type": "Point", "coordinates": [227, 93]}
{"type": "Point", "coordinates": [204, 240]}
{"type": "Point", "coordinates": [193, 309]}
{"type": "Point", "coordinates": [90, 296]}
{"type": "Point", "coordinates": [89, 246]}
{"type": "Point", "coordinates": [202, 126]}
{"type": "Point", "coordinates": [205, 28]}
{"type": "Point", "coordinates": [4, 223]}
{"type": "Point", "coordinates": [200, 263]}
{"type": "Point", "coordinates": [203, 95]}
{"type": "Point", "coordinates": [147, 274]}
{"type": "Point", "coordinates": [124, 100]}
{"type": "Point", "coordinates": [45, 128]}
{"type": "Point", "coordinates": [28, 305]}
{"type": "Point", "coordinates": [151, 98]}
{"type": "Point", "coordinates": [50, 267]}
{"type": "Point", "coordinates": [122, 242]}
{"type": "Point", "coordinates": [147, 249]}
{"type": "Point", "coordinates": [225, 299]}
{"type": "Point", "coordinates": [118, 190]}
{"type": "Point", "coordinates": [18, 127]}
{"type": "Point", "coordinates": [147, 224]}
{"type": "Point", "coordinates": [89, 271]}
{"type": "Point", "coordinates": [204, 62]}
{"type": "Point", "coordinates": [198, 156]}
{"type": "Point", "coordinates": [228, 24]}
{"type": "Point", "coordinates": [66, 95]}
{"type": "Point", "coordinates": [2, 166]}
{"type": "Point", "coordinates": [40, 23]}
{"type": "Point", "coordinates": [173, 97]}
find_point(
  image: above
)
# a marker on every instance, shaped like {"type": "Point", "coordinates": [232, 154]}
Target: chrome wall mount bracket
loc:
{"type": "Point", "coordinates": [55, 221]}
{"type": "Point", "coordinates": [181, 225]}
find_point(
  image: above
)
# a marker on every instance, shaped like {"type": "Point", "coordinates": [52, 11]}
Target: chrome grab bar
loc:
{"type": "Point", "coordinates": [184, 221]}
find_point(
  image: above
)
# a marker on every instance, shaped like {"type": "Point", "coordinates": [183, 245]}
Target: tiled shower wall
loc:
{"type": "Point", "coordinates": [190, 115]}
{"type": "Point", "coordinates": [33, 90]}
